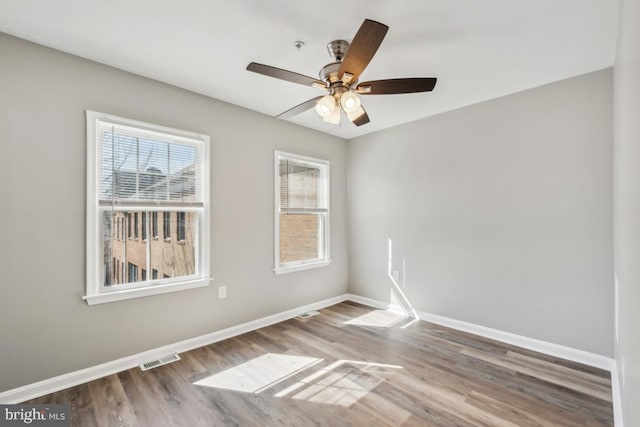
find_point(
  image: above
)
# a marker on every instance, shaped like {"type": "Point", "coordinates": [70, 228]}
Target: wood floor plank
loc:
{"type": "Point", "coordinates": [574, 383]}
{"type": "Point", "coordinates": [111, 406]}
{"type": "Point", "coordinates": [350, 365]}
{"type": "Point", "coordinates": [556, 368]}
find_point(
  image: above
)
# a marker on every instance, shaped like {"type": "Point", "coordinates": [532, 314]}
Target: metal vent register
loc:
{"type": "Point", "coordinates": [159, 362]}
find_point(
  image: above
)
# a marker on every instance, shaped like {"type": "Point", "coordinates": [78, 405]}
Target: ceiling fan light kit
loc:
{"type": "Point", "coordinates": [326, 106]}
{"type": "Point", "coordinates": [340, 78]}
{"type": "Point", "coordinates": [334, 118]}
{"type": "Point", "coordinates": [350, 101]}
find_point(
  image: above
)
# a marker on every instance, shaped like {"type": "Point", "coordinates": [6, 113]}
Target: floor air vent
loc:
{"type": "Point", "coordinates": [159, 362]}
{"type": "Point", "coordinates": [308, 314]}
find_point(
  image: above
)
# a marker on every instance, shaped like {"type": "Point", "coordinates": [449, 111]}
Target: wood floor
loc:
{"type": "Point", "coordinates": [350, 365]}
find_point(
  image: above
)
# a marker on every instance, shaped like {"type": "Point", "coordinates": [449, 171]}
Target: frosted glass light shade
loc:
{"type": "Point", "coordinates": [334, 118]}
{"type": "Point", "coordinates": [326, 106]}
{"type": "Point", "coordinates": [350, 102]}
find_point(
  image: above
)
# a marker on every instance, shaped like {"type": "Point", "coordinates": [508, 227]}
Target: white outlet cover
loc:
{"type": "Point", "coordinates": [222, 292]}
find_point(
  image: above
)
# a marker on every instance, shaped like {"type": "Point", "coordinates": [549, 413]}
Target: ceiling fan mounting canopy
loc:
{"type": "Point", "coordinates": [340, 78]}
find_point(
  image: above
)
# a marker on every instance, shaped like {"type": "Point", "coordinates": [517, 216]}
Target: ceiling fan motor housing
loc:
{"type": "Point", "coordinates": [329, 73]}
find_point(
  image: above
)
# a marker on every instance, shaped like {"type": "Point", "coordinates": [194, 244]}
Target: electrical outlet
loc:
{"type": "Point", "coordinates": [396, 275]}
{"type": "Point", "coordinates": [222, 292]}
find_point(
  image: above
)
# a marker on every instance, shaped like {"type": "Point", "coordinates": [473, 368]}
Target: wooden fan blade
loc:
{"type": "Point", "coordinates": [301, 108]}
{"type": "Point", "coordinates": [364, 45]}
{"type": "Point", "coordinates": [359, 117]}
{"type": "Point", "coordinates": [393, 86]}
{"type": "Point", "coordinates": [281, 74]}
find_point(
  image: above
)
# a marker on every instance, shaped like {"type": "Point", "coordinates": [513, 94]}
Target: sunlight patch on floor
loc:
{"type": "Point", "coordinates": [260, 373]}
{"type": "Point", "coordinates": [377, 318]}
{"type": "Point", "coordinates": [342, 383]}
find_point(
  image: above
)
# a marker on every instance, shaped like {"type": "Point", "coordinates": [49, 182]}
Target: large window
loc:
{"type": "Point", "coordinates": [133, 272]}
{"type": "Point", "coordinates": [134, 171]}
{"type": "Point", "coordinates": [302, 213]}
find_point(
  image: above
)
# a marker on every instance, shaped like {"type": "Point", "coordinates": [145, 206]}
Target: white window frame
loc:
{"type": "Point", "coordinates": [325, 260]}
{"type": "Point", "coordinates": [96, 292]}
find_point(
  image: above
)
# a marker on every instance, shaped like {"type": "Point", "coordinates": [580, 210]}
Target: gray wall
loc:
{"type": "Point", "coordinates": [500, 214]}
{"type": "Point", "coordinates": [627, 206]}
{"type": "Point", "coordinates": [45, 327]}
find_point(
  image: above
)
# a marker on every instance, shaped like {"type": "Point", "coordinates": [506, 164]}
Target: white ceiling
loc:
{"type": "Point", "coordinates": [478, 49]}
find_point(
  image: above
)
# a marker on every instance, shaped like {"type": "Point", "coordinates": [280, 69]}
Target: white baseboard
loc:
{"type": "Point", "coordinates": [71, 379]}
{"type": "Point", "coordinates": [375, 303]}
{"type": "Point", "coordinates": [551, 349]}
{"type": "Point", "coordinates": [617, 396]}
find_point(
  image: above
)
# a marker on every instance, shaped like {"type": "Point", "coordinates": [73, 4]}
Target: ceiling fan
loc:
{"type": "Point", "coordinates": [340, 78]}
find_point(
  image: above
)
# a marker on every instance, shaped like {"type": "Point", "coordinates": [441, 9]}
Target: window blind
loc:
{"type": "Point", "coordinates": [302, 187]}
{"type": "Point", "coordinates": [139, 167]}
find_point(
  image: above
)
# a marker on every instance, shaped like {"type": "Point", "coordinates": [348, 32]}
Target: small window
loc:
{"type": "Point", "coordinates": [154, 224]}
{"type": "Point", "coordinates": [134, 171]}
{"type": "Point", "coordinates": [154, 274]}
{"type": "Point", "coordinates": [144, 226]}
{"type": "Point", "coordinates": [135, 225]}
{"type": "Point", "coordinates": [181, 224]}
{"type": "Point", "coordinates": [302, 213]}
{"type": "Point", "coordinates": [166, 225]}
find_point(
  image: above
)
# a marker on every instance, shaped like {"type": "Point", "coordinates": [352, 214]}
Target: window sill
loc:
{"type": "Point", "coordinates": [301, 267]}
{"type": "Point", "coordinates": [145, 291]}
{"type": "Point", "coordinates": [167, 240]}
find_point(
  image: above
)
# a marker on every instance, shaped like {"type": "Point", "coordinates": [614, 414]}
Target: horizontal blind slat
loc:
{"type": "Point", "coordinates": [303, 210]}
{"type": "Point", "coordinates": [149, 204]}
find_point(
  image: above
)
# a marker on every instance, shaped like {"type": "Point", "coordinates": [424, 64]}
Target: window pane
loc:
{"type": "Point", "coordinates": [174, 257]}
{"type": "Point", "coordinates": [127, 260]}
{"type": "Point", "coordinates": [299, 237]}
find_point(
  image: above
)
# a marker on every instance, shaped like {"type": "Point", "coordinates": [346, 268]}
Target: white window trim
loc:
{"type": "Point", "coordinates": [95, 292]}
{"type": "Point", "coordinates": [308, 264]}
{"type": "Point", "coordinates": [301, 267]}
